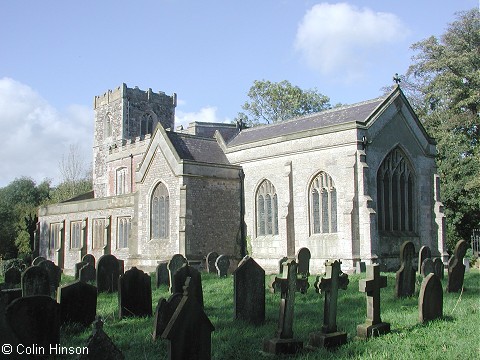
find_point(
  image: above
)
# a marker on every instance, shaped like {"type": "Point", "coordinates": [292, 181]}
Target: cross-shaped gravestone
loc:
{"type": "Point", "coordinates": [438, 267]}
{"type": "Point", "coordinates": [210, 262]}
{"type": "Point", "coordinates": [222, 264]}
{"type": "Point", "coordinates": [423, 254]}
{"type": "Point", "coordinates": [430, 300]}
{"type": "Point", "coordinates": [284, 343]}
{"type": "Point", "coordinates": [373, 325]}
{"type": "Point", "coordinates": [329, 285]}
{"type": "Point", "coordinates": [405, 276]}
{"type": "Point", "coordinates": [175, 263]}
{"type": "Point", "coordinates": [456, 269]}
{"type": "Point", "coordinates": [427, 267]}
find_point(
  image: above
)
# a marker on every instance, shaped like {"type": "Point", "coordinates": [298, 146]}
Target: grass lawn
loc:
{"type": "Point", "coordinates": [456, 336]}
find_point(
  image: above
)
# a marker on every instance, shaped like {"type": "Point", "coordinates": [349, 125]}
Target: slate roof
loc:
{"type": "Point", "coordinates": [359, 112]}
{"type": "Point", "coordinates": [195, 148]}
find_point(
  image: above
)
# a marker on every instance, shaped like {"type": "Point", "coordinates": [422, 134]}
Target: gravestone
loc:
{"type": "Point", "coordinates": [329, 285]}
{"type": "Point", "coordinates": [189, 330]}
{"type": "Point", "coordinates": [466, 263]}
{"type": "Point", "coordinates": [303, 261]}
{"type": "Point", "coordinates": [456, 269]}
{"type": "Point", "coordinates": [35, 321]}
{"type": "Point", "coordinates": [38, 260]}
{"type": "Point", "coordinates": [222, 264]}
{"type": "Point", "coordinates": [360, 267]}
{"type": "Point", "coordinates": [430, 300]}
{"type": "Point", "coordinates": [7, 296]}
{"type": "Point", "coordinates": [210, 262]}
{"type": "Point", "coordinates": [78, 266]}
{"type": "Point", "coordinates": [54, 275]}
{"type": "Point", "coordinates": [87, 273]}
{"type": "Point", "coordinates": [161, 274]}
{"type": "Point", "coordinates": [89, 258]}
{"type": "Point", "coordinates": [134, 294]}
{"type": "Point", "coordinates": [78, 303]}
{"type": "Point", "coordinates": [427, 267]}
{"type": "Point", "coordinates": [405, 276]}
{"type": "Point", "coordinates": [283, 342]}
{"type": "Point", "coordinates": [175, 263]}
{"type": "Point", "coordinates": [163, 313]}
{"type": "Point", "coordinates": [280, 264]}
{"type": "Point", "coordinates": [249, 292]}
{"type": "Point", "coordinates": [195, 283]}
{"type": "Point", "coordinates": [100, 346]}
{"type": "Point", "coordinates": [108, 272]}
{"type": "Point", "coordinates": [373, 325]}
{"type": "Point", "coordinates": [13, 276]}
{"type": "Point", "coordinates": [438, 268]}
{"type": "Point", "coordinates": [121, 267]}
{"type": "Point", "coordinates": [424, 253]}
{"type": "Point", "coordinates": [35, 281]}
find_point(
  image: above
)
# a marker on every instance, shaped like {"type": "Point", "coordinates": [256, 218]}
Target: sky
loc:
{"type": "Point", "coordinates": [55, 56]}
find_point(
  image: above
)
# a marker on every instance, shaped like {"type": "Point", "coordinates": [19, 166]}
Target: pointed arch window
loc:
{"type": "Point", "coordinates": [124, 226]}
{"type": "Point", "coordinates": [146, 124]}
{"type": "Point", "coordinates": [395, 193]}
{"type": "Point", "coordinates": [108, 125]}
{"type": "Point", "coordinates": [323, 204]}
{"type": "Point", "coordinates": [121, 181]}
{"type": "Point", "coordinates": [267, 209]}
{"type": "Point", "coordinates": [160, 213]}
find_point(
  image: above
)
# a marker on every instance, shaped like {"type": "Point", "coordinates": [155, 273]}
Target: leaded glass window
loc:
{"type": "Point", "coordinates": [159, 213]}
{"type": "Point", "coordinates": [267, 209]}
{"type": "Point", "coordinates": [323, 204]}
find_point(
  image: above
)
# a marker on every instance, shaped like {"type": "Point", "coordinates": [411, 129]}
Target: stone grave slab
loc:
{"type": "Point", "coordinates": [108, 272]}
{"type": "Point", "coordinates": [78, 303]}
{"type": "Point", "coordinates": [303, 261]}
{"type": "Point", "coordinates": [249, 292]}
{"type": "Point", "coordinates": [430, 300]}
{"type": "Point", "coordinates": [210, 262]}
{"type": "Point", "coordinates": [424, 253]}
{"type": "Point", "coordinates": [195, 283]}
{"type": "Point", "coordinates": [90, 259]}
{"type": "Point", "coordinates": [87, 273]}
{"type": "Point", "coordinates": [38, 260]}
{"type": "Point", "coordinates": [164, 312]}
{"type": "Point", "coordinates": [54, 275]}
{"type": "Point", "coordinates": [35, 281]}
{"type": "Point", "coordinates": [161, 274]}
{"type": "Point", "coordinates": [134, 294]}
{"type": "Point", "coordinates": [100, 346]}
{"type": "Point", "coordinates": [175, 263]}
{"type": "Point", "coordinates": [405, 276]}
{"type": "Point", "coordinates": [427, 267]}
{"type": "Point", "coordinates": [222, 264]}
{"type": "Point", "coordinates": [360, 267]}
{"type": "Point", "coordinates": [13, 276]}
{"type": "Point", "coordinates": [456, 269]}
{"type": "Point", "coordinates": [438, 268]}
{"type": "Point", "coordinates": [78, 266]}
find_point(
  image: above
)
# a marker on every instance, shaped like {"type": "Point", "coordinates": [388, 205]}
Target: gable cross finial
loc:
{"type": "Point", "coordinates": [396, 79]}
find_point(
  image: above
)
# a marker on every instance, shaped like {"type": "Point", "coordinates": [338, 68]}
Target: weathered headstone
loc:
{"type": "Point", "coordinates": [405, 276]}
{"type": "Point", "coordinates": [189, 330]}
{"type": "Point", "coordinates": [283, 342]}
{"type": "Point", "coordinates": [249, 291]}
{"type": "Point", "coordinates": [134, 294]}
{"type": "Point", "coordinates": [121, 266]}
{"type": "Point", "coordinates": [13, 276]}
{"type": "Point", "coordinates": [438, 268]}
{"type": "Point", "coordinates": [89, 258]}
{"type": "Point", "coordinates": [108, 272]}
{"type": "Point", "coordinates": [54, 275]}
{"type": "Point", "coordinates": [210, 262]}
{"type": "Point", "coordinates": [360, 267]}
{"type": "Point", "coordinates": [163, 313]}
{"type": "Point", "coordinates": [78, 266]}
{"type": "Point", "coordinates": [38, 260]}
{"type": "Point", "coordinates": [7, 296]}
{"type": "Point", "coordinates": [334, 279]}
{"type": "Point", "coordinates": [87, 273]}
{"type": "Point", "coordinates": [456, 269]}
{"type": "Point", "coordinates": [222, 264]}
{"type": "Point", "coordinates": [35, 321]}
{"type": "Point", "coordinates": [430, 300]}
{"type": "Point", "coordinates": [161, 274]}
{"type": "Point", "coordinates": [78, 303]}
{"type": "Point", "coordinates": [423, 254]}
{"type": "Point", "coordinates": [427, 267]}
{"type": "Point", "coordinates": [195, 283]}
{"type": "Point", "coordinates": [175, 263]}
{"type": "Point", "coordinates": [466, 263]}
{"type": "Point", "coordinates": [35, 281]}
{"type": "Point", "coordinates": [282, 261]}
{"type": "Point", "coordinates": [373, 325]}
{"type": "Point", "coordinates": [100, 346]}
{"type": "Point", "coordinates": [303, 261]}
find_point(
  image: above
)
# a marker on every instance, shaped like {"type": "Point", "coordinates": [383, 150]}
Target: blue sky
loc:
{"type": "Point", "coordinates": [55, 56]}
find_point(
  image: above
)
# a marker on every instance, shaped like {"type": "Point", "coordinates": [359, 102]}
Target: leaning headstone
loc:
{"type": "Point", "coordinates": [13, 276]}
{"type": "Point", "coordinates": [430, 300]}
{"type": "Point", "coordinates": [78, 303]}
{"type": "Point", "coordinates": [161, 274]}
{"type": "Point", "coordinates": [424, 253]}
{"type": "Point", "coordinates": [134, 294]}
{"type": "Point", "coordinates": [427, 267]}
{"type": "Point", "coordinates": [189, 330]}
{"type": "Point", "coordinates": [35, 322]}
{"type": "Point", "coordinates": [210, 262]}
{"type": "Point", "coordinates": [249, 292]}
{"type": "Point", "coordinates": [35, 281]}
{"type": "Point", "coordinates": [405, 276]}
{"type": "Point", "coordinates": [163, 313]}
{"type": "Point", "coordinates": [303, 260]}
{"type": "Point", "coordinates": [222, 264]}
{"type": "Point", "coordinates": [373, 325]}
{"type": "Point", "coordinates": [54, 275]}
{"type": "Point", "coordinates": [456, 269]}
{"type": "Point", "coordinates": [78, 266]}
{"type": "Point", "coordinates": [195, 286]}
{"type": "Point", "coordinates": [108, 272]}
{"type": "Point", "coordinates": [38, 260]}
{"type": "Point", "coordinates": [438, 268]}
{"type": "Point", "coordinates": [283, 342]}
{"type": "Point", "coordinates": [175, 263]}
{"type": "Point", "coordinates": [89, 258]}
{"type": "Point", "coordinates": [87, 273]}
{"type": "Point", "coordinates": [100, 346]}
{"type": "Point", "coordinates": [334, 279]}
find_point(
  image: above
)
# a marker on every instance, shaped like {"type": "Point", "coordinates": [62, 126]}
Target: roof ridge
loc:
{"type": "Point", "coordinates": [191, 136]}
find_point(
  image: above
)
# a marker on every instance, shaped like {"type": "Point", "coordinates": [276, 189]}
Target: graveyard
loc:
{"type": "Point", "coordinates": [455, 334]}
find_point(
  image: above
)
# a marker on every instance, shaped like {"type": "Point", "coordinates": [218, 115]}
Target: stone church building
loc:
{"type": "Point", "coordinates": [350, 183]}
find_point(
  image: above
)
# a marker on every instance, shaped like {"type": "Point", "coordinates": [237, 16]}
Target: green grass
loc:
{"type": "Point", "coordinates": [456, 335]}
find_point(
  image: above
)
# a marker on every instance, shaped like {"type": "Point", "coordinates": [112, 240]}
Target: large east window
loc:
{"type": "Point", "coordinates": [323, 204]}
{"type": "Point", "coordinates": [159, 212]}
{"type": "Point", "coordinates": [267, 209]}
{"type": "Point", "coordinates": [395, 193]}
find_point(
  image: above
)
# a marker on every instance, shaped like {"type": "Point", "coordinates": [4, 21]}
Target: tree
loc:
{"type": "Point", "coordinates": [271, 102]}
{"type": "Point", "coordinates": [444, 83]}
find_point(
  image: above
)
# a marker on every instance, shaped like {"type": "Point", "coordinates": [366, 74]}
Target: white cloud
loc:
{"type": "Point", "coordinates": [36, 135]}
{"type": "Point", "coordinates": [341, 40]}
{"type": "Point", "coordinates": [205, 114]}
